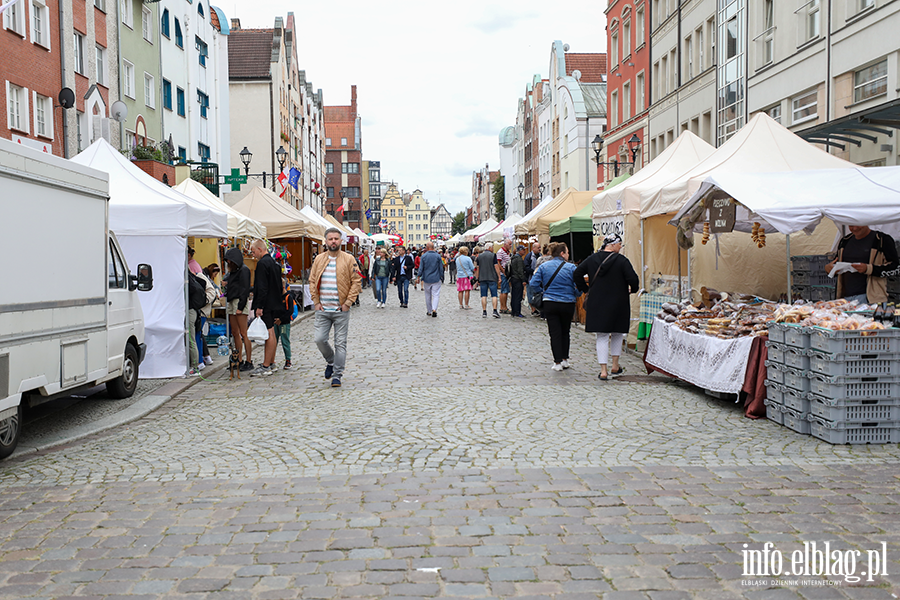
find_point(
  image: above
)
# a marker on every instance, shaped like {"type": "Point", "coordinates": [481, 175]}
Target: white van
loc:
{"type": "Point", "coordinates": [69, 313]}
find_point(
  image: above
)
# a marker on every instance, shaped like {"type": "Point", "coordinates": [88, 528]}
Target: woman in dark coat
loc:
{"type": "Point", "coordinates": [611, 278]}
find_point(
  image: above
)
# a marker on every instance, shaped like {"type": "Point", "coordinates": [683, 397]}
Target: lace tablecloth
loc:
{"type": "Point", "coordinates": [707, 362]}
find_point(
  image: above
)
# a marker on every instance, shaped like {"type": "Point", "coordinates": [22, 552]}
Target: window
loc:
{"type": "Point", "coordinates": [775, 113]}
{"type": "Point", "coordinates": [689, 57]}
{"type": "Point", "coordinates": [130, 140]}
{"type": "Point", "coordinates": [43, 116]}
{"type": "Point", "coordinates": [639, 28]}
{"type": "Point", "coordinates": [14, 19]}
{"type": "Point", "coordinates": [768, 34]}
{"type": "Point", "coordinates": [327, 141]}
{"type": "Point", "coordinates": [805, 107]}
{"type": "Point", "coordinates": [116, 276]}
{"type": "Point", "coordinates": [351, 192]}
{"type": "Point", "coordinates": [101, 66]}
{"type": "Point", "coordinates": [164, 23]}
{"type": "Point", "coordinates": [182, 153]}
{"type": "Point", "coordinates": [699, 35]}
{"type": "Point", "coordinates": [17, 103]}
{"type": "Point", "coordinates": [202, 48]}
{"type": "Point", "coordinates": [349, 167]}
{"type": "Point", "coordinates": [167, 94]}
{"type": "Point", "coordinates": [329, 192]}
{"type": "Point", "coordinates": [200, 10]}
{"type": "Point", "coordinates": [80, 126]}
{"type": "Point", "coordinates": [656, 95]}
{"type": "Point", "coordinates": [329, 168]}
{"type": "Point", "coordinates": [399, 212]}
{"type": "Point", "coordinates": [149, 91]}
{"type": "Point", "coordinates": [126, 9]}
{"type": "Point", "coordinates": [179, 39]}
{"type": "Point", "coordinates": [79, 53]}
{"type": "Point", "coordinates": [626, 39]}
{"type": "Point", "coordinates": [864, 4]}
{"type": "Point", "coordinates": [870, 82]}
{"type": "Point", "coordinates": [179, 99]}
{"type": "Point", "coordinates": [626, 101]}
{"type": "Point", "coordinates": [203, 101]}
{"type": "Point", "coordinates": [40, 33]}
{"type": "Point", "coordinates": [812, 19]}
{"type": "Point", "coordinates": [128, 79]}
{"type": "Point", "coordinates": [614, 50]}
{"type": "Point", "coordinates": [203, 150]}
{"type": "Point", "coordinates": [639, 93]}
{"type": "Point", "coordinates": [343, 141]}
{"type": "Point", "coordinates": [101, 4]}
{"type": "Point", "coordinates": [374, 175]}
{"type": "Point", "coordinates": [731, 38]}
{"type": "Point", "coordinates": [614, 109]}
{"type": "Point", "coordinates": [147, 24]}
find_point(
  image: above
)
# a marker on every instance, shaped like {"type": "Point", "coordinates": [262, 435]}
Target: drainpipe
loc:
{"type": "Point", "coordinates": [62, 75]}
{"type": "Point", "coordinates": [119, 81]}
{"type": "Point", "coordinates": [587, 156]}
{"type": "Point", "coordinates": [272, 130]}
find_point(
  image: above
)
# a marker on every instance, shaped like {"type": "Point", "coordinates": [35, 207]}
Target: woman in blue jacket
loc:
{"type": "Point", "coordinates": [555, 279]}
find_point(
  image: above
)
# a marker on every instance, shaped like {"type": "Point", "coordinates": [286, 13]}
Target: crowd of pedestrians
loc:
{"type": "Point", "coordinates": [541, 278]}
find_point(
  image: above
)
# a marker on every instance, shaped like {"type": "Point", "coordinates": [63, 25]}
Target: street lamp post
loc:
{"type": "Point", "coordinates": [246, 156]}
{"type": "Point", "coordinates": [343, 194]}
{"type": "Point", "coordinates": [541, 190]}
{"type": "Point", "coordinates": [521, 189]}
{"type": "Point", "coordinates": [634, 145]}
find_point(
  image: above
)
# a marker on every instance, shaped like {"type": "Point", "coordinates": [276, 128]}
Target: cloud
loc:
{"type": "Point", "coordinates": [479, 125]}
{"type": "Point", "coordinates": [460, 170]}
{"type": "Point", "coordinates": [495, 21]}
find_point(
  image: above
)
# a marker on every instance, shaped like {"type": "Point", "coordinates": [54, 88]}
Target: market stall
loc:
{"type": "Point", "coordinates": [505, 229]}
{"type": "Point", "coordinates": [538, 221]}
{"type": "Point", "coordinates": [152, 223]}
{"type": "Point", "coordinates": [473, 234]}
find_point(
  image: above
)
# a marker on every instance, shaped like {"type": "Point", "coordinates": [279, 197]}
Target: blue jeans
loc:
{"type": "Point", "coordinates": [324, 322]}
{"type": "Point", "coordinates": [381, 284]}
{"type": "Point", "coordinates": [403, 289]}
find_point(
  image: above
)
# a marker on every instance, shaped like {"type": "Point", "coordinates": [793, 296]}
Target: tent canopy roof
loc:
{"type": "Point", "coordinates": [239, 225]}
{"type": "Point", "coordinates": [580, 222]}
{"type": "Point", "coordinates": [280, 218]}
{"type": "Point", "coordinates": [480, 229]}
{"type": "Point", "coordinates": [505, 229]}
{"type": "Point", "coordinates": [141, 205]}
{"type": "Point", "coordinates": [565, 205]}
{"type": "Point", "coordinates": [760, 146]}
{"type": "Point", "coordinates": [684, 153]}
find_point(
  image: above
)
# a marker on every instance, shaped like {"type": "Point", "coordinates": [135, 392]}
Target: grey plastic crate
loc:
{"type": "Point", "coordinates": [819, 277]}
{"type": "Point", "coordinates": [795, 421]}
{"type": "Point", "coordinates": [837, 365]}
{"type": "Point", "coordinates": [774, 412]}
{"type": "Point", "coordinates": [865, 411]}
{"type": "Point", "coordinates": [818, 293]}
{"type": "Point", "coordinates": [796, 336]}
{"type": "Point", "coordinates": [809, 262]}
{"type": "Point", "coordinates": [774, 350]}
{"type": "Point", "coordinates": [854, 388]}
{"type": "Point", "coordinates": [854, 341]}
{"type": "Point", "coordinates": [796, 379]}
{"type": "Point", "coordinates": [774, 392]}
{"type": "Point", "coordinates": [799, 292]}
{"type": "Point", "coordinates": [796, 401]}
{"type": "Point", "coordinates": [855, 433]}
{"type": "Point", "coordinates": [776, 332]}
{"type": "Point", "coordinates": [774, 372]}
{"type": "Point", "coordinates": [796, 359]}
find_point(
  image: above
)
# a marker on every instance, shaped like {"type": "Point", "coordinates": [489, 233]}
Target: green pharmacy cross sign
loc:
{"type": "Point", "coordinates": [235, 180]}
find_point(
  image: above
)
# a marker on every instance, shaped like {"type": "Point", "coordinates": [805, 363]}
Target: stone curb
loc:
{"type": "Point", "coordinates": [137, 410]}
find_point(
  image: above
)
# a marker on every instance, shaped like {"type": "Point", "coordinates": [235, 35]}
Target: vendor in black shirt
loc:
{"type": "Point", "coordinates": [874, 256]}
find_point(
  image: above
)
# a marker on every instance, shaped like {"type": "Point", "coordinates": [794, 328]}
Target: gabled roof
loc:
{"type": "Point", "coordinates": [592, 66]}
{"type": "Point", "coordinates": [250, 54]}
{"type": "Point", "coordinates": [338, 114]}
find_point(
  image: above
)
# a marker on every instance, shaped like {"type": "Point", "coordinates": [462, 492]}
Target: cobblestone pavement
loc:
{"type": "Point", "coordinates": [452, 463]}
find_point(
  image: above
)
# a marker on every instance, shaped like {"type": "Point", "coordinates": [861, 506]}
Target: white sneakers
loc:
{"type": "Point", "coordinates": [557, 367]}
{"type": "Point", "coordinates": [565, 364]}
{"type": "Point", "coordinates": [207, 360]}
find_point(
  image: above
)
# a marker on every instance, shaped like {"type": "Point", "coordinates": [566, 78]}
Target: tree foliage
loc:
{"type": "Point", "coordinates": [459, 222]}
{"type": "Point", "coordinates": [500, 198]}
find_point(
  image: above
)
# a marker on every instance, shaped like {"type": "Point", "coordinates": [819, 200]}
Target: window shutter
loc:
{"type": "Point", "coordinates": [24, 119]}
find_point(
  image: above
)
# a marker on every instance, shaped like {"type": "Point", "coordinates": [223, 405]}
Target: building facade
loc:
{"type": "Point", "coordinates": [683, 79]}
{"type": "Point", "coordinates": [139, 72]}
{"type": "Point", "coordinates": [483, 194]}
{"type": "Point", "coordinates": [343, 155]}
{"type": "Point", "coordinates": [393, 211]}
{"type": "Point", "coordinates": [628, 88]}
{"type": "Point", "coordinates": [829, 72]}
{"type": "Point", "coordinates": [372, 195]}
{"type": "Point", "coordinates": [441, 223]}
{"type": "Point", "coordinates": [418, 219]}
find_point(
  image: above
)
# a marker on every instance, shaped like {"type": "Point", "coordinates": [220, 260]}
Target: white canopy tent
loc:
{"type": "Point", "coordinates": [455, 240]}
{"type": "Point", "coordinates": [505, 229]}
{"type": "Point", "coordinates": [385, 238]}
{"type": "Point", "coordinates": [538, 220]}
{"type": "Point", "coordinates": [480, 229]}
{"type": "Point", "coordinates": [239, 225]}
{"type": "Point", "coordinates": [152, 223]}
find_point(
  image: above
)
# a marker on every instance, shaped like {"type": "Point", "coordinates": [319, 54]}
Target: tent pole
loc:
{"type": "Point", "coordinates": [571, 244]}
{"type": "Point", "coordinates": [187, 317]}
{"type": "Point", "coordinates": [787, 245]}
{"type": "Point", "coordinates": [680, 291]}
{"type": "Point", "coordinates": [690, 289]}
{"type": "Point", "coordinates": [643, 259]}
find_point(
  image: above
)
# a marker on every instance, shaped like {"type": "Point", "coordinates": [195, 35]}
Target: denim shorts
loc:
{"type": "Point", "coordinates": [504, 284]}
{"type": "Point", "coordinates": [488, 285]}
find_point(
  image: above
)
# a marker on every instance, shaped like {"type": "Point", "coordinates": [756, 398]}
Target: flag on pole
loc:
{"type": "Point", "coordinates": [368, 214]}
{"type": "Point", "coordinates": [340, 210]}
{"type": "Point", "coordinates": [294, 178]}
{"type": "Point", "coordinates": [281, 179]}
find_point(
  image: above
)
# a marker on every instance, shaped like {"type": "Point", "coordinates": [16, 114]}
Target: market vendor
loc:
{"type": "Point", "coordinates": [873, 254]}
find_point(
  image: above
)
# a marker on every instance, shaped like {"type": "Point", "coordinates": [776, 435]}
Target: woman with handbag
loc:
{"type": "Point", "coordinates": [555, 294]}
{"type": "Point", "coordinates": [610, 278]}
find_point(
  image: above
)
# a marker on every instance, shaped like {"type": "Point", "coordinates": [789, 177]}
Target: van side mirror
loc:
{"type": "Point", "coordinates": [144, 278]}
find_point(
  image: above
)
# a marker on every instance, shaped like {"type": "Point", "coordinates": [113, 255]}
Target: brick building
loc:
{"type": "Point", "coordinates": [343, 155]}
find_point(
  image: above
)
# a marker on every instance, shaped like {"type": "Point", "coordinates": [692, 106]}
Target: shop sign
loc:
{"type": "Point", "coordinates": [604, 227]}
{"type": "Point", "coordinates": [721, 215]}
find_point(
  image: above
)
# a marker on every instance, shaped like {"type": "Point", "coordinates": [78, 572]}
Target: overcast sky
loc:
{"type": "Point", "coordinates": [436, 81]}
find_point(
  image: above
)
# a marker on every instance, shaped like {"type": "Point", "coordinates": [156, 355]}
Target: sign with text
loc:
{"type": "Point", "coordinates": [604, 227]}
{"type": "Point", "coordinates": [721, 215]}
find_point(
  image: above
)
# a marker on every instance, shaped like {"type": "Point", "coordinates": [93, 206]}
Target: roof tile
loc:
{"type": "Point", "coordinates": [250, 54]}
{"type": "Point", "coordinates": [592, 66]}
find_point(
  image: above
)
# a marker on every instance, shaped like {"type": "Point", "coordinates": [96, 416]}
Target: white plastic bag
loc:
{"type": "Point", "coordinates": [257, 331]}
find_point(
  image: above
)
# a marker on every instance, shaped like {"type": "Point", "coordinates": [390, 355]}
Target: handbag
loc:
{"type": "Point", "coordinates": [537, 300]}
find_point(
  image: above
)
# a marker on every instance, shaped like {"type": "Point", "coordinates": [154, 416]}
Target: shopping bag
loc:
{"type": "Point", "coordinates": [257, 331]}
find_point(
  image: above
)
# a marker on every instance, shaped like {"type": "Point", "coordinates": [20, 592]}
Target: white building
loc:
{"type": "Point", "coordinates": [418, 219]}
{"type": "Point", "coordinates": [509, 147]}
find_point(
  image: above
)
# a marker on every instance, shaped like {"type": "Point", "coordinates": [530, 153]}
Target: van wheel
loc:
{"type": "Point", "coordinates": [124, 385]}
{"type": "Point", "coordinates": [10, 428]}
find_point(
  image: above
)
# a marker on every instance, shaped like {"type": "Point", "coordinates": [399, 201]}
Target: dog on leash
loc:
{"type": "Point", "coordinates": [234, 362]}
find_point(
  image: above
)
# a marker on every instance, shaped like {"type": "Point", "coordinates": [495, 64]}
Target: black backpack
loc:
{"type": "Point", "coordinates": [196, 292]}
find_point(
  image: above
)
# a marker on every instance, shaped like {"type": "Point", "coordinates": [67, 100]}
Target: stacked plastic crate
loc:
{"type": "Point", "coordinates": [809, 281]}
{"type": "Point", "coordinates": [786, 377]}
{"type": "Point", "coordinates": [854, 393]}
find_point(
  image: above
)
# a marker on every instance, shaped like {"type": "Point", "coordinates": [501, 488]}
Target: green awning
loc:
{"type": "Point", "coordinates": [582, 221]}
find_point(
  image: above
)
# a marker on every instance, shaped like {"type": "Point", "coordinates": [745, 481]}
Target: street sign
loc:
{"type": "Point", "coordinates": [235, 180]}
{"type": "Point", "coordinates": [721, 215]}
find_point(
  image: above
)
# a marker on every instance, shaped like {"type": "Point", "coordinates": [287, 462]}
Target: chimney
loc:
{"type": "Point", "coordinates": [235, 24]}
{"type": "Point", "coordinates": [279, 23]}
{"type": "Point", "coordinates": [353, 99]}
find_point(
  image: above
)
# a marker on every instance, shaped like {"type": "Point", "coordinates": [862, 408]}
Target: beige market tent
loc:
{"type": "Point", "coordinates": [566, 204]}
{"type": "Point", "coordinates": [344, 229]}
{"type": "Point", "coordinates": [239, 225]}
{"type": "Point", "coordinates": [280, 218]}
{"type": "Point", "coordinates": [472, 234]}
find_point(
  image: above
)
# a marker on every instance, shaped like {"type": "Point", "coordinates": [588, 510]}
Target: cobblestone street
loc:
{"type": "Point", "coordinates": [454, 463]}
